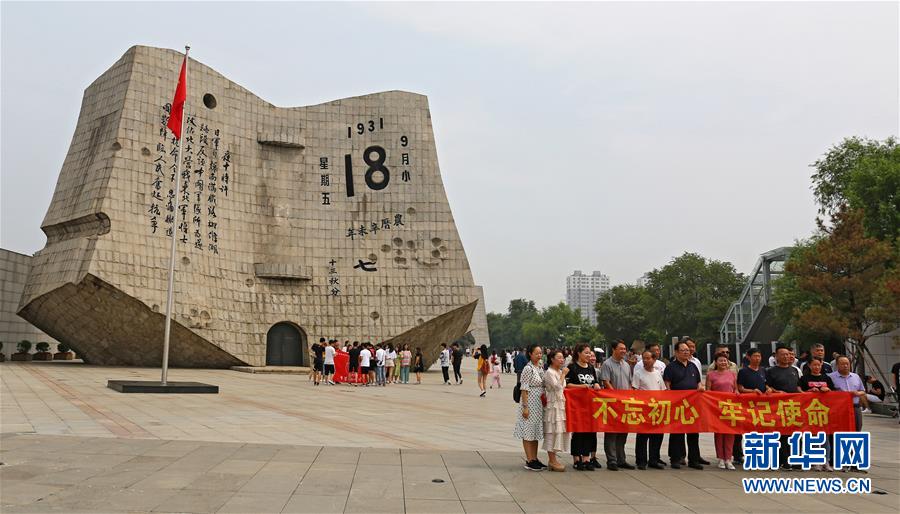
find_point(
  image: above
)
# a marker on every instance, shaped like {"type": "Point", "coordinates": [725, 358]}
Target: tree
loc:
{"type": "Point", "coordinates": [690, 295]}
{"type": "Point", "coordinates": [862, 174]}
{"type": "Point", "coordinates": [556, 325]}
{"type": "Point", "coordinates": [622, 313]}
{"type": "Point", "coordinates": [846, 283]}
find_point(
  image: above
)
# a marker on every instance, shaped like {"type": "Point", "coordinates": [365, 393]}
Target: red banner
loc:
{"type": "Point", "coordinates": [659, 412]}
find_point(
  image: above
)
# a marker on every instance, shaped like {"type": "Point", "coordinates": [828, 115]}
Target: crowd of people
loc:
{"type": "Point", "coordinates": [543, 375]}
{"type": "Point", "coordinates": [380, 364]}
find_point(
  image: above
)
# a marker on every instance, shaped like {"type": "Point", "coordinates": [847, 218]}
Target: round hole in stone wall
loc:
{"type": "Point", "coordinates": [399, 252]}
{"type": "Point", "coordinates": [397, 241]}
{"type": "Point", "coordinates": [186, 260]}
{"type": "Point", "coordinates": [374, 315]}
{"type": "Point", "coordinates": [420, 321]}
{"type": "Point", "coordinates": [145, 151]}
{"type": "Point", "coordinates": [436, 241]}
{"type": "Point", "coordinates": [249, 282]}
{"type": "Point", "coordinates": [436, 253]}
{"type": "Point", "coordinates": [411, 245]}
{"type": "Point", "coordinates": [385, 248]}
{"type": "Point", "coordinates": [209, 101]}
{"type": "Point", "coordinates": [373, 257]}
{"type": "Point", "coordinates": [154, 308]}
{"type": "Point", "coordinates": [410, 211]}
{"type": "Point", "coordinates": [117, 146]}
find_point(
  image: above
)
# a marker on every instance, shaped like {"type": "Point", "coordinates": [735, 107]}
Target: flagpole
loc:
{"type": "Point", "coordinates": [170, 295]}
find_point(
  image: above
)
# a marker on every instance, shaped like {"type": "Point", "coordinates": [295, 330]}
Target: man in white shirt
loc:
{"type": "Point", "coordinates": [647, 377]}
{"type": "Point", "coordinates": [380, 355]}
{"type": "Point", "coordinates": [658, 363]}
{"type": "Point", "coordinates": [329, 362]}
{"type": "Point", "coordinates": [445, 363]}
{"type": "Point", "coordinates": [365, 361]}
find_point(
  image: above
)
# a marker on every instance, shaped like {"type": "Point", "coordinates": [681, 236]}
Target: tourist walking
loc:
{"type": "Point", "coordinates": [482, 367]}
{"type": "Point", "coordinates": [583, 375]}
{"type": "Point", "coordinates": [723, 379]}
{"type": "Point", "coordinates": [556, 437]}
{"type": "Point", "coordinates": [530, 421]}
{"type": "Point", "coordinates": [457, 363]}
{"type": "Point", "coordinates": [495, 369]}
{"type": "Point", "coordinates": [445, 363]}
{"type": "Point", "coordinates": [419, 365]}
{"type": "Point", "coordinates": [508, 360]}
{"type": "Point", "coordinates": [616, 374]}
{"type": "Point", "coordinates": [648, 377]}
{"type": "Point", "coordinates": [405, 362]}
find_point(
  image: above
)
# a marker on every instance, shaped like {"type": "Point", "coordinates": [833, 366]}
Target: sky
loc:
{"type": "Point", "coordinates": [591, 136]}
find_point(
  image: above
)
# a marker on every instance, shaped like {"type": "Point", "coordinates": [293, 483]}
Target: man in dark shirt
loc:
{"type": "Point", "coordinates": [354, 362]}
{"type": "Point", "coordinates": [752, 378]}
{"type": "Point", "coordinates": [817, 352]}
{"type": "Point", "coordinates": [682, 375]}
{"type": "Point", "coordinates": [457, 363]}
{"type": "Point", "coordinates": [874, 387]}
{"type": "Point", "coordinates": [783, 378]}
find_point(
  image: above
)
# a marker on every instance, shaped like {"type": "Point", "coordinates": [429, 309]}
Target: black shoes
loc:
{"type": "Point", "coordinates": [642, 467]}
{"type": "Point", "coordinates": [625, 465]}
{"type": "Point", "coordinates": [612, 466]}
{"type": "Point", "coordinates": [656, 465]}
{"type": "Point", "coordinates": [534, 465]}
{"type": "Point", "coordinates": [676, 465]}
{"type": "Point", "coordinates": [695, 465]}
{"type": "Point", "coordinates": [596, 463]}
{"type": "Point", "coordinates": [703, 461]}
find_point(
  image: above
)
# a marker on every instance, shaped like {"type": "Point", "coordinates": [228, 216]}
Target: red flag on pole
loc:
{"type": "Point", "coordinates": [178, 102]}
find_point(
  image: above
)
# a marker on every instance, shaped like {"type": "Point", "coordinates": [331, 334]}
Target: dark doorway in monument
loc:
{"type": "Point", "coordinates": [285, 345]}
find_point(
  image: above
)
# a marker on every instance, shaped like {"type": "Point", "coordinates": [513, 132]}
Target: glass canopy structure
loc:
{"type": "Point", "coordinates": [751, 318]}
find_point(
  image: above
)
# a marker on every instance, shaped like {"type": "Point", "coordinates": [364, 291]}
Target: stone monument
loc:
{"type": "Point", "coordinates": [294, 223]}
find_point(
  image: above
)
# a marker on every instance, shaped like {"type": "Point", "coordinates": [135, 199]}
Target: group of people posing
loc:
{"type": "Point", "coordinates": [370, 364]}
{"type": "Point", "coordinates": [542, 411]}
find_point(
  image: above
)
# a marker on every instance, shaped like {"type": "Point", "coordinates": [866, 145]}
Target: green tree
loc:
{"type": "Point", "coordinates": [622, 313]}
{"type": "Point", "coordinates": [505, 330]}
{"type": "Point", "coordinates": [689, 296]}
{"type": "Point", "coordinates": [862, 174]}
{"type": "Point", "coordinates": [843, 283]}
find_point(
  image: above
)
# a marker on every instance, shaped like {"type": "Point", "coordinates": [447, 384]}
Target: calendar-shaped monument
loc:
{"type": "Point", "coordinates": [293, 224]}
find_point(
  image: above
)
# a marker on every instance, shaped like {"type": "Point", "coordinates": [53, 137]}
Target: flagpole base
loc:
{"type": "Point", "coordinates": [155, 386]}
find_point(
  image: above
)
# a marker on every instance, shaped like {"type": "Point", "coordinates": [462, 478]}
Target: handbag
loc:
{"type": "Point", "coordinates": [517, 393]}
{"type": "Point", "coordinates": [544, 399]}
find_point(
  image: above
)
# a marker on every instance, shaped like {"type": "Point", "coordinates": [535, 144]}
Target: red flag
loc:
{"type": "Point", "coordinates": [178, 102]}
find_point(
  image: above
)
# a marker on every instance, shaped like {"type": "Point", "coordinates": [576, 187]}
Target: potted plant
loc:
{"type": "Point", "coordinates": [43, 352]}
{"type": "Point", "coordinates": [22, 350]}
{"type": "Point", "coordinates": [63, 353]}
{"type": "Point", "coordinates": [2, 355]}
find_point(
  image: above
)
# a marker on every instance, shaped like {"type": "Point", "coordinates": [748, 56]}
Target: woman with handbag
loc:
{"type": "Point", "coordinates": [530, 422]}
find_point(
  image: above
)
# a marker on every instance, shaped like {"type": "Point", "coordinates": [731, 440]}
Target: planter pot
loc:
{"type": "Point", "coordinates": [63, 356]}
{"type": "Point", "coordinates": [21, 356]}
{"type": "Point", "coordinates": [43, 356]}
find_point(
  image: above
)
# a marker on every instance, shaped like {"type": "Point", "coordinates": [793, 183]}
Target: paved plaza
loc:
{"type": "Point", "coordinates": [275, 443]}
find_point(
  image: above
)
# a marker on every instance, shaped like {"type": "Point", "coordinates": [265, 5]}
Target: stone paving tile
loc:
{"type": "Point", "coordinates": [360, 505]}
{"type": "Point", "coordinates": [193, 501]}
{"type": "Point", "coordinates": [485, 507]}
{"type": "Point", "coordinates": [311, 503]}
{"type": "Point", "coordinates": [244, 503]}
{"type": "Point", "coordinates": [414, 506]}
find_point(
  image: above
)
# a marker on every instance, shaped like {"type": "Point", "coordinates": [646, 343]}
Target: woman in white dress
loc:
{"type": "Point", "coordinates": [530, 422]}
{"type": "Point", "coordinates": [556, 437]}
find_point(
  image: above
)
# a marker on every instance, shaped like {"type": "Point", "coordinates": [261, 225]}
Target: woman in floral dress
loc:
{"type": "Point", "coordinates": [556, 437]}
{"type": "Point", "coordinates": [530, 422]}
